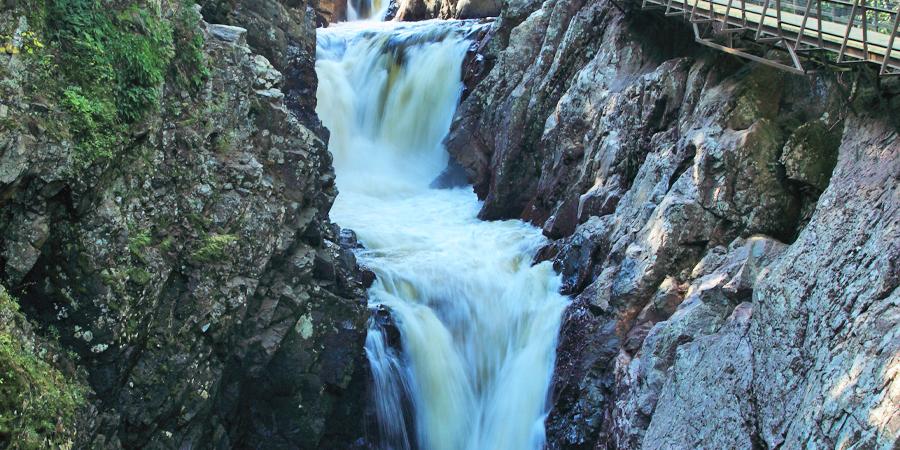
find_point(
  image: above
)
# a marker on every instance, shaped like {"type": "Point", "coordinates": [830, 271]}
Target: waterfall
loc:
{"type": "Point", "coordinates": [469, 363]}
{"type": "Point", "coordinates": [367, 9]}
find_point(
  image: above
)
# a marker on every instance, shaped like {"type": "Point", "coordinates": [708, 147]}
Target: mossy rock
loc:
{"type": "Point", "coordinates": [762, 88]}
{"type": "Point", "coordinates": [213, 248]}
{"type": "Point", "coordinates": [810, 154]}
{"type": "Point", "coordinates": [105, 65]}
{"type": "Point", "coordinates": [38, 403]}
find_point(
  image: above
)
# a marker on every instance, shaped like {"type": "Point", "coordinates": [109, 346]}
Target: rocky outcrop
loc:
{"type": "Point", "coordinates": [189, 267]}
{"type": "Point", "coordinates": [284, 32]}
{"type": "Point", "coordinates": [681, 190]}
{"type": "Point", "coordinates": [826, 334]}
{"type": "Point", "coordinates": [331, 11]}
{"type": "Point", "coordinates": [412, 10]}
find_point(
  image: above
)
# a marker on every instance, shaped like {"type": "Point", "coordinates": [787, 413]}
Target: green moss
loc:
{"type": "Point", "coordinates": [139, 276]}
{"type": "Point", "coordinates": [92, 122]}
{"type": "Point", "coordinates": [811, 153]}
{"type": "Point", "coordinates": [198, 221]}
{"type": "Point", "coordinates": [213, 247]}
{"type": "Point", "coordinates": [37, 402]}
{"type": "Point", "coordinates": [110, 65]}
{"type": "Point", "coordinates": [223, 143]}
{"type": "Point", "coordinates": [167, 244]}
{"type": "Point", "coordinates": [189, 69]}
{"type": "Point", "coordinates": [138, 241]}
{"type": "Point", "coordinates": [758, 97]}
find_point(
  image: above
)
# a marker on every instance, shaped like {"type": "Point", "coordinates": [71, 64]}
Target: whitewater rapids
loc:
{"type": "Point", "coordinates": [478, 322]}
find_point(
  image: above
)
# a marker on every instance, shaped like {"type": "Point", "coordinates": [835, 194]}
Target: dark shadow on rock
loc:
{"type": "Point", "coordinates": [453, 176]}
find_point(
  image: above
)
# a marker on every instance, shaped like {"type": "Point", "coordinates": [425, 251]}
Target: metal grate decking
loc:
{"type": "Point", "coordinates": [837, 31]}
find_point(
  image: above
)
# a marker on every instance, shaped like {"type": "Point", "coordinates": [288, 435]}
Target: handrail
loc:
{"type": "Point", "coordinates": [853, 31]}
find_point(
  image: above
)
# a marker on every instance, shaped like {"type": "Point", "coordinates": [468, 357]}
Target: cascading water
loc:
{"type": "Point", "coordinates": [367, 9]}
{"type": "Point", "coordinates": [477, 322]}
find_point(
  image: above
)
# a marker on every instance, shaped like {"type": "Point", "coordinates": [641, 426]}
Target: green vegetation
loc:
{"type": "Point", "coordinates": [213, 247]}
{"type": "Point", "coordinates": [138, 241]}
{"type": "Point", "coordinates": [167, 244]}
{"type": "Point", "coordinates": [112, 65]}
{"type": "Point", "coordinates": [29, 44]}
{"type": "Point", "coordinates": [139, 276]}
{"type": "Point", "coordinates": [92, 122]}
{"type": "Point", "coordinates": [107, 65]}
{"type": "Point", "coordinates": [189, 68]}
{"type": "Point", "coordinates": [37, 402]}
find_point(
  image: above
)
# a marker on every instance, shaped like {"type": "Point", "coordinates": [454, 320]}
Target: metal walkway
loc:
{"type": "Point", "coordinates": [828, 31]}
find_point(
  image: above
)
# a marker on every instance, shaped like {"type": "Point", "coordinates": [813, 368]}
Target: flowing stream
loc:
{"type": "Point", "coordinates": [477, 321]}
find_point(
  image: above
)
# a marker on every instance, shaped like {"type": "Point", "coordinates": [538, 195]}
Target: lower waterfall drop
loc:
{"type": "Point", "coordinates": [469, 363]}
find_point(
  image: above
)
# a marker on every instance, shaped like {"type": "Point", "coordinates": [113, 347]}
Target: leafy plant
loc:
{"type": "Point", "coordinates": [112, 63]}
{"type": "Point", "coordinates": [141, 55]}
{"type": "Point", "coordinates": [27, 42]}
{"type": "Point", "coordinates": [139, 276]}
{"type": "Point", "coordinates": [92, 122]}
{"type": "Point", "coordinates": [138, 241]}
{"type": "Point", "coordinates": [213, 247]}
{"type": "Point", "coordinates": [189, 68]}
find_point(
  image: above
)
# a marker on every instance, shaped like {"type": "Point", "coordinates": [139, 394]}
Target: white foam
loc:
{"type": "Point", "coordinates": [478, 322]}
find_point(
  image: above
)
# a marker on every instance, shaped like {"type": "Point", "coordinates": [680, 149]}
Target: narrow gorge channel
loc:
{"type": "Point", "coordinates": [466, 357]}
{"type": "Point", "coordinates": [528, 225]}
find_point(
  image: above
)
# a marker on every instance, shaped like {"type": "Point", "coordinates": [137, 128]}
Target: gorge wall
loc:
{"type": "Point", "coordinates": [729, 232]}
{"type": "Point", "coordinates": [446, 9]}
{"type": "Point", "coordinates": [164, 229]}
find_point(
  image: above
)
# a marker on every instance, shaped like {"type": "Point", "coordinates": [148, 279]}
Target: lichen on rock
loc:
{"type": "Point", "coordinates": [692, 202]}
{"type": "Point", "coordinates": [176, 258]}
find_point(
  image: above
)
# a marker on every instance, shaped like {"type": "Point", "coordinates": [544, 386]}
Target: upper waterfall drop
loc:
{"type": "Point", "coordinates": [393, 90]}
{"type": "Point", "coordinates": [477, 322]}
{"type": "Point", "coordinates": [367, 9]}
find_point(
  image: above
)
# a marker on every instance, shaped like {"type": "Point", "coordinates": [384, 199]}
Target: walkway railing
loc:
{"type": "Point", "coordinates": [838, 31]}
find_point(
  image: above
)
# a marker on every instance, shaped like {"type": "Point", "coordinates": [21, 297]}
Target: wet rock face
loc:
{"type": "Point", "coordinates": [412, 10]}
{"type": "Point", "coordinates": [196, 275]}
{"type": "Point", "coordinates": [681, 189]}
{"type": "Point", "coordinates": [331, 11]}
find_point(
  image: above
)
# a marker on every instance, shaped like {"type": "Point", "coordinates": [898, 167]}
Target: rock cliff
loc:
{"type": "Point", "coordinates": [332, 11]}
{"type": "Point", "coordinates": [164, 221]}
{"type": "Point", "coordinates": [728, 232]}
{"type": "Point", "coordinates": [446, 9]}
